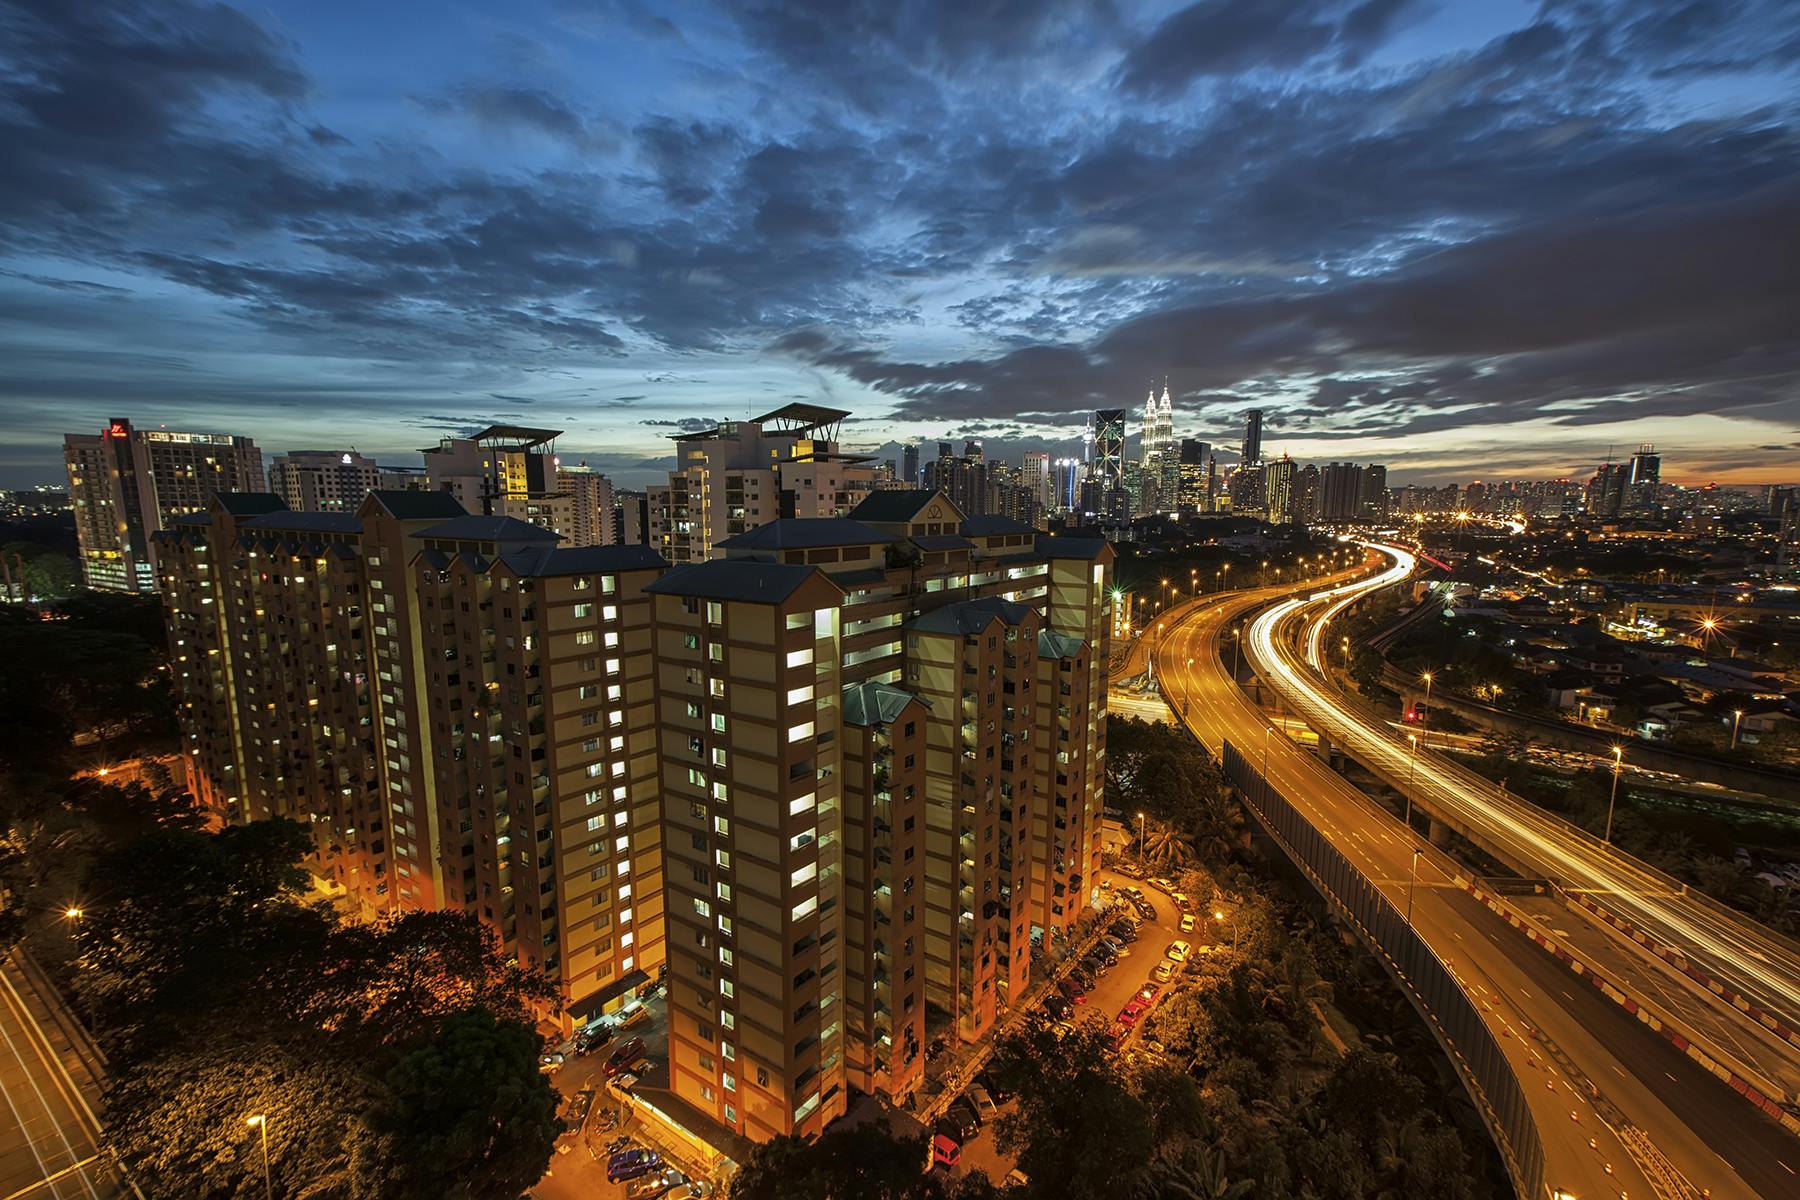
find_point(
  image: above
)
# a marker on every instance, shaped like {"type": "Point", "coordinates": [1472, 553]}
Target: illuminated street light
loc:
{"type": "Point", "coordinates": [261, 1122]}
{"type": "Point", "coordinates": [1737, 714]}
{"type": "Point", "coordinates": [1618, 765]}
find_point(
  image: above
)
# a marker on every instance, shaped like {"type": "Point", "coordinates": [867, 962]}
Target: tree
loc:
{"type": "Point", "coordinates": [1078, 1131]}
{"type": "Point", "coordinates": [1167, 849]}
{"type": "Point", "coordinates": [51, 576]}
{"type": "Point", "coordinates": [1199, 1173]}
{"type": "Point", "coordinates": [865, 1160]}
{"type": "Point", "coordinates": [465, 1115]}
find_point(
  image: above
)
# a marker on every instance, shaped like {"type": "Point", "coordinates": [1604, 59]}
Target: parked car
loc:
{"type": "Point", "coordinates": [994, 1086]}
{"type": "Point", "coordinates": [1116, 945]}
{"type": "Point", "coordinates": [1130, 869]}
{"type": "Point", "coordinates": [648, 1187]}
{"type": "Point", "coordinates": [552, 1061]}
{"type": "Point", "coordinates": [1125, 929]}
{"type": "Point", "coordinates": [1059, 1007]}
{"type": "Point", "coordinates": [625, 1057]}
{"type": "Point", "coordinates": [984, 1104]}
{"type": "Point", "coordinates": [693, 1189]}
{"type": "Point", "coordinates": [593, 1038]}
{"type": "Point", "coordinates": [1163, 971]}
{"type": "Point", "coordinates": [1177, 951]}
{"type": "Point", "coordinates": [1071, 991]}
{"type": "Point", "coordinates": [1181, 901]}
{"type": "Point", "coordinates": [1105, 953]}
{"type": "Point", "coordinates": [1187, 922]}
{"type": "Point", "coordinates": [1095, 965]}
{"type": "Point", "coordinates": [964, 1119]}
{"type": "Point", "coordinates": [1134, 1009]}
{"type": "Point", "coordinates": [629, 1164]}
{"type": "Point", "coordinates": [633, 1016]}
{"type": "Point", "coordinates": [1084, 978]}
{"type": "Point", "coordinates": [1118, 1037]}
{"type": "Point", "coordinates": [1145, 909]}
{"type": "Point", "coordinates": [1148, 993]}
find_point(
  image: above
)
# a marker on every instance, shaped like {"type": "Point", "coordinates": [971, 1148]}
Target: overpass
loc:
{"type": "Point", "coordinates": [1612, 1104]}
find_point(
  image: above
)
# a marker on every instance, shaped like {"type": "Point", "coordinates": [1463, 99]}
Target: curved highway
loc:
{"type": "Point", "coordinates": [1615, 1103]}
{"type": "Point", "coordinates": [1729, 947]}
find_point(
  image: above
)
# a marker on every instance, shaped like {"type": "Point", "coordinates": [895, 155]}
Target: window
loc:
{"type": "Point", "coordinates": [702, 907]}
{"type": "Point", "coordinates": [718, 722]}
{"type": "Point", "coordinates": [726, 989]}
{"type": "Point", "coordinates": [584, 637]}
{"type": "Point", "coordinates": [584, 610]}
{"type": "Point", "coordinates": [690, 641]}
{"type": "Point", "coordinates": [727, 1020]}
{"type": "Point", "coordinates": [693, 711]}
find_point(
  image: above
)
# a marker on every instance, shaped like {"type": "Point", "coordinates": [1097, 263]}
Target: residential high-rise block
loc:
{"type": "Point", "coordinates": [1036, 477]}
{"type": "Point", "coordinates": [323, 480]}
{"type": "Point", "coordinates": [593, 520]}
{"type": "Point", "coordinates": [458, 709]}
{"type": "Point", "coordinates": [742, 474]}
{"type": "Point", "coordinates": [1340, 491]}
{"type": "Point", "coordinates": [1643, 481]}
{"type": "Point", "coordinates": [1278, 489]}
{"type": "Point", "coordinates": [126, 484]}
{"type": "Point", "coordinates": [842, 777]}
{"type": "Point", "coordinates": [1192, 474]}
{"type": "Point", "coordinates": [909, 457]}
{"type": "Point", "coordinates": [504, 471]}
{"type": "Point", "coordinates": [1374, 506]}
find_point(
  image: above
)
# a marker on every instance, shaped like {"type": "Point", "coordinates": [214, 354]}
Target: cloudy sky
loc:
{"type": "Point", "coordinates": [1469, 237]}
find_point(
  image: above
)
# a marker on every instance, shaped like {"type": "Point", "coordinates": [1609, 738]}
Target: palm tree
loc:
{"type": "Point", "coordinates": [1199, 1174]}
{"type": "Point", "coordinates": [1167, 849]}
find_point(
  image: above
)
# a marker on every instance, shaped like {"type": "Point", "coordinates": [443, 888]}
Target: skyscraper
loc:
{"type": "Point", "coordinates": [592, 516]}
{"type": "Point", "coordinates": [1035, 475]}
{"type": "Point", "coordinates": [1278, 490]}
{"type": "Point", "coordinates": [909, 464]}
{"type": "Point", "coordinates": [1340, 491]}
{"type": "Point", "coordinates": [1642, 483]}
{"type": "Point", "coordinates": [1606, 490]}
{"type": "Point", "coordinates": [126, 484]}
{"type": "Point", "coordinates": [1374, 492]}
{"type": "Point", "coordinates": [1192, 474]}
{"type": "Point", "coordinates": [1159, 483]}
{"type": "Point", "coordinates": [1251, 455]}
{"type": "Point", "coordinates": [1107, 465]}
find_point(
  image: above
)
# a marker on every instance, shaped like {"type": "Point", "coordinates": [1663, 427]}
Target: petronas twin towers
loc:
{"type": "Point", "coordinates": [1161, 455]}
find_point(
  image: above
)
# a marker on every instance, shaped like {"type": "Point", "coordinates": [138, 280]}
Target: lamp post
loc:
{"type": "Point", "coordinates": [1346, 644]}
{"type": "Point", "coordinates": [1737, 714]}
{"type": "Point", "coordinates": [1618, 765]}
{"type": "Point", "coordinates": [260, 1122]}
{"type": "Point", "coordinates": [1219, 916]}
{"type": "Point", "coordinates": [1425, 717]}
{"type": "Point", "coordinates": [1141, 839]}
{"type": "Point", "coordinates": [1412, 877]}
{"type": "Point", "coordinates": [1412, 770]}
{"type": "Point", "coordinates": [1267, 730]}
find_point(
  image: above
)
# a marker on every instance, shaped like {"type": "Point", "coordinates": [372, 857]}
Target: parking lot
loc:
{"type": "Point", "coordinates": [1111, 993]}
{"type": "Point", "coordinates": [578, 1171]}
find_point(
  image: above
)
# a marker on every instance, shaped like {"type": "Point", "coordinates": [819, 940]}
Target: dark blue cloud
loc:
{"type": "Point", "coordinates": [1381, 217]}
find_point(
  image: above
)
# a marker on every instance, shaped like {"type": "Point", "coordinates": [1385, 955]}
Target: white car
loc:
{"type": "Point", "coordinates": [1163, 971]}
{"type": "Point", "coordinates": [1178, 951]}
{"type": "Point", "coordinates": [1187, 922]}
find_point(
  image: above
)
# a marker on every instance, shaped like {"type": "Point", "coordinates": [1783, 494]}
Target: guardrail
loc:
{"type": "Point", "coordinates": [1427, 982]}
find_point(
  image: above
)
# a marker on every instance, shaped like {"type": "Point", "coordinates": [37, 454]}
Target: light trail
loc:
{"type": "Point", "coordinates": [1730, 948]}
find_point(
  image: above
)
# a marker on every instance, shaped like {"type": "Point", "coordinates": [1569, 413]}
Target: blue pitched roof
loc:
{"type": "Point", "coordinates": [804, 533]}
{"type": "Point", "coordinates": [971, 616]}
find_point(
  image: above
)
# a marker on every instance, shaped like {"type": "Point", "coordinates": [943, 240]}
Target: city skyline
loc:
{"type": "Point", "coordinates": [617, 221]}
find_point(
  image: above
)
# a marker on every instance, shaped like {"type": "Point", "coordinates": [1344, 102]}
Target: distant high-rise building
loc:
{"type": "Point", "coordinates": [1340, 491]}
{"type": "Point", "coordinates": [1160, 483]}
{"type": "Point", "coordinates": [127, 484]}
{"type": "Point", "coordinates": [1251, 454]}
{"type": "Point", "coordinates": [1606, 490]}
{"type": "Point", "coordinates": [970, 481]}
{"type": "Point", "coordinates": [1641, 485]}
{"type": "Point", "coordinates": [1192, 468]}
{"type": "Point", "coordinates": [323, 480]}
{"type": "Point", "coordinates": [1374, 492]}
{"type": "Point", "coordinates": [909, 464]}
{"type": "Point", "coordinates": [1306, 494]}
{"type": "Point", "coordinates": [1107, 465]}
{"type": "Point", "coordinates": [741, 474]}
{"type": "Point", "coordinates": [1069, 473]}
{"type": "Point", "coordinates": [1278, 490]}
{"type": "Point", "coordinates": [592, 516]}
{"type": "Point", "coordinates": [1035, 475]}
{"type": "Point", "coordinates": [504, 471]}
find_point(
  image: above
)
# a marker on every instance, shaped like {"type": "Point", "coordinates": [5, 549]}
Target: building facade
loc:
{"type": "Point", "coordinates": [127, 484]}
{"type": "Point", "coordinates": [322, 480]}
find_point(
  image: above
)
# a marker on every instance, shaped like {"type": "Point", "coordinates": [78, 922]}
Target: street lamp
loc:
{"type": "Point", "coordinates": [1618, 765]}
{"type": "Point", "coordinates": [1412, 877]}
{"type": "Point", "coordinates": [1737, 714]}
{"type": "Point", "coordinates": [261, 1122]}
{"type": "Point", "coordinates": [1141, 839]}
{"type": "Point", "coordinates": [1346, 644]}
{"type": "Point", "coordinates": [1425, 717]}
{"type": "Point", "coordinates": [1412, 771]}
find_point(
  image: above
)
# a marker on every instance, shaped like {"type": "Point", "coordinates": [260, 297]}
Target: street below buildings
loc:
{"type": "Point", "coordinates": [50, 1144]}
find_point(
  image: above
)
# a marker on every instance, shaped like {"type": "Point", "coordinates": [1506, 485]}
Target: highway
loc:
{"type": "Point", "coordinates": [49, 1137]}
{"type": "Point", "coordinates": [1614, 1102]}
{"type": "Point", "coordinates": [1731, 948]}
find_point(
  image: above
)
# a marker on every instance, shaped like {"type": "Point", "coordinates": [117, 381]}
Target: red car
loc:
{"type": "Point", "coordinates": [625, 1057]}
{"type": "Point", "coordinates": [1148, 994]}
{"type": "Point", "coordinates": [1133, 1011]}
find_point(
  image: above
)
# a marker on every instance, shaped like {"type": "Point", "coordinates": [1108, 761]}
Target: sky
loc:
{"type": "Point", "coordinates": [1466, 239]}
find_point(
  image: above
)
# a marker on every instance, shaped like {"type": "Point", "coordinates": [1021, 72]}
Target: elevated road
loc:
{"type": "Point", "coordinates": [1620, 1111]}
{"type": "Point", "coordinates": [1286, 644]}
